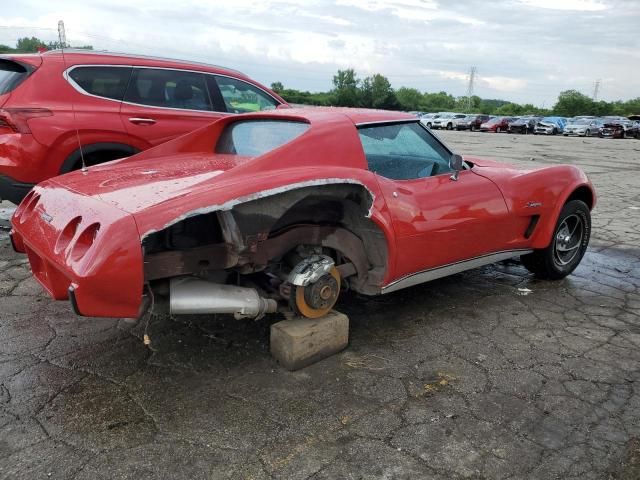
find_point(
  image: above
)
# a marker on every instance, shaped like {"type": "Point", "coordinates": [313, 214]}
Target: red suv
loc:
{"type": "Point", "coordinates": [112, 105]}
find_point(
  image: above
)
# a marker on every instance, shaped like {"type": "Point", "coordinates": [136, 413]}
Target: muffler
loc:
{"type": "Point", "coordinates": [191, 295]}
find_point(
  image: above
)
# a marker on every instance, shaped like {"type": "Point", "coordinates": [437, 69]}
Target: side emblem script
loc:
{"type": "Point", "coordinates": [533, 204]}
{"type": "Point", "coordinates": [46, 217]}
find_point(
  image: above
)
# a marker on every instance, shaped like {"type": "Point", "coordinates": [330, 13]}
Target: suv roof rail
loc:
{"type": "Point", "coordinates": [135, 55]}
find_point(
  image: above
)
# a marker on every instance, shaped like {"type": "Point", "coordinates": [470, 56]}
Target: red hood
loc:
{"type": "Point", "coordinates": [133, 186]}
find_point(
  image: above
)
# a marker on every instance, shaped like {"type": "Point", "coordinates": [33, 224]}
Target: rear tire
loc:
{"type": "Point", "coordinates": [568, 243]}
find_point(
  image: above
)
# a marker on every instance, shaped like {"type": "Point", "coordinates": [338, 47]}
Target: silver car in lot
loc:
{"type": "Point", "coordinates": [583, 127]}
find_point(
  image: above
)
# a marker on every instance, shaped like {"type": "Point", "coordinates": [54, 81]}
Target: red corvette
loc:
{"type": "Point", "coordinates": [283, 209]}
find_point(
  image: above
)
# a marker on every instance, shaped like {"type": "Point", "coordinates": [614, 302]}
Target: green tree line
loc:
{"type": "Point", "coordinates": [33, 44]}
{"type": "Point", "coordinates": [376, 92]}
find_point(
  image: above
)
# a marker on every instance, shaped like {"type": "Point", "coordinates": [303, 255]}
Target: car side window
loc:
{"type": "Point", "coordinates": [107, 82]}
{"type": "Point", "coordinates": [403, 151]}
{"type": "Point", "coordinates": [178, 89]}
{"type": "Point", "coordinates": [242, 97]}
{"type": "Point", "coordinates": [252, 138]}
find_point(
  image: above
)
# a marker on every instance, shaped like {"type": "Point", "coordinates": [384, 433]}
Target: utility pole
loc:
{"type": "Point", "coordinates": [596, 90]}
{"type": "Point", "coordinates": [62, 37]}
{"type": "Point", "coordinates": [472, 79]}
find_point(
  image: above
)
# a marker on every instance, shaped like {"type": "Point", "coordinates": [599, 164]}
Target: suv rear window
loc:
{"type": "Point", "coordinates": [107, 82]}
{"type": "Point", "coordinates": [11, 75]}
{"type": "Point", "coordinates": [256, 137]}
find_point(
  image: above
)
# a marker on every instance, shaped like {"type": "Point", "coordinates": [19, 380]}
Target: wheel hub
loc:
{"type": "Point", "coordinates": [317, 299]}
{"type": "Point", "coordinates": [568, 240]}
{"type": "Point", "coordinates": [323, 293]}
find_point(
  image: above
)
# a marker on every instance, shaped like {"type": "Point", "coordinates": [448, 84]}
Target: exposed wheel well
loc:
{"type": "Point", "coordinates": [95, 154]}
{"type": "Point", "coordinates": [258, 232]}
{"type": "Point", "coordinates": [584, 194]}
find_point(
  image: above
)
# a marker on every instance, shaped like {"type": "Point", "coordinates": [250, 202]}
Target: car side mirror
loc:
{"type": "Point", "coordinates": [456, 164]}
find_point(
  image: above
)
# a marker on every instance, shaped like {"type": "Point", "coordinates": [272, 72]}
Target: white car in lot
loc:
{"type": "Point", "coordinates": [447, 121]}
{"type": "Point", "coordinates": [428, 118]}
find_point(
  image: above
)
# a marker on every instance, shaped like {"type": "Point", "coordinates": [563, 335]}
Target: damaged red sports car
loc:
{"type": "Point", "coordinates": [284, 209]}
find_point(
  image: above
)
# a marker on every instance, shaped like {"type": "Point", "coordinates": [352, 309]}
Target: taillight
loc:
{"type": "Point", "coordinates": [84, 241]}
{"type": "Point", "coordinates": [15, 119]}
{"type": "Point", "coordinates": [23, 204]}
{"type": "Point", "coordinates": [67, 234]}
{"type": "Point", "coordinates": [28, 207]}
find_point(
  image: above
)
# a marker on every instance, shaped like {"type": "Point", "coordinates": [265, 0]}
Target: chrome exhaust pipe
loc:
{"type": "Point", "coordinates": [191, 295]}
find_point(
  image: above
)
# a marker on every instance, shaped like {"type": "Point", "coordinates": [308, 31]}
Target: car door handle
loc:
{"type": "Point", "coordinates": [142, 121]}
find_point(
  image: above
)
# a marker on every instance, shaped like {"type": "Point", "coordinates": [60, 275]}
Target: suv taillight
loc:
{"type": "Point", "coordinates": [15, 119]}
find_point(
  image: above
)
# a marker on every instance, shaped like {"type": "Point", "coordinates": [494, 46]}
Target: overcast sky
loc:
{"type": "Point", "coordinates": [524, 50]}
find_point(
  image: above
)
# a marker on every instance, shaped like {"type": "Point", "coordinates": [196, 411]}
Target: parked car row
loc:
{"type": "Point", "coordinates": [585, 126]}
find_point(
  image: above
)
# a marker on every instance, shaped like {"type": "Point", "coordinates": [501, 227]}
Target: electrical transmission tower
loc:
{"type": "Point", "coordinates": [62, 37]}
{"type": "Point", "coordinates": [472, 79]}
{"type": "Point", "coordinates": [596, 90]}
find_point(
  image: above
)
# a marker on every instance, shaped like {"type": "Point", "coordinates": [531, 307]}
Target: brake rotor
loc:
{"type": "Point", "coordinates": [318, 298]}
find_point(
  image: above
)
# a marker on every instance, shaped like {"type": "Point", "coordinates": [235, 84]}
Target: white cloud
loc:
{"type": "Point", "coordinates": [582, 5]}
{"type": "Point", "coordinates": [503, 84]}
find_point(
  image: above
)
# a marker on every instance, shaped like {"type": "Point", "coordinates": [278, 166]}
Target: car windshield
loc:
{"type": "Point", "coordinates": [403, 151]}
{"type": "Point", "coordinates": [252, 138]}
{"type": "Point", "coordinates": [582, 121]}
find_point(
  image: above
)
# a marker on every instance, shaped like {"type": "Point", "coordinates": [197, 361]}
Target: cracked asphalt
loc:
{"type": "Point", "coordinates": [471, 376]}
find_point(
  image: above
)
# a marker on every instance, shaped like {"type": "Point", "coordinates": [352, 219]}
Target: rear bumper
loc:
{"type": "Point", "coordinates": [13, 190]}
{"type": "Point", "coordinates": [101, 273]}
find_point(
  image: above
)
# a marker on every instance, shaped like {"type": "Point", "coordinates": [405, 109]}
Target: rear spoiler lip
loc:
{"type": "Point", "coordinates": [28, 61]}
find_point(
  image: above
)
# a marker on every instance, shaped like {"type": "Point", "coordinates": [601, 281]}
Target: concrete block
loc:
{"type": "Point", "coordinates": [300, 341]}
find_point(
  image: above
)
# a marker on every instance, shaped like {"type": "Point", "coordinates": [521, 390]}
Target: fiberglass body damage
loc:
{"type": "Point", "coordinates": [182, 209]}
